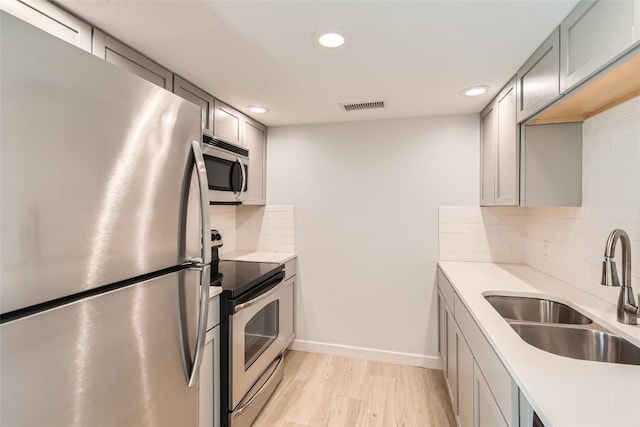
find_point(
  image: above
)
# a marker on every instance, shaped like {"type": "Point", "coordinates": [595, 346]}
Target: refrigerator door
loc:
{"type": "Point", "coordinates": [95, 171]}
{"type": "Point", "coordinates": [116, 359]}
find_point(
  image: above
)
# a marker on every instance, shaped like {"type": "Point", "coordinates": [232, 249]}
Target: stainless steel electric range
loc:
{"type": "Point", "coordinates": [256, 325]}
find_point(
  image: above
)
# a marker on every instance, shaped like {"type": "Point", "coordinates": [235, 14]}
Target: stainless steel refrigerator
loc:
{"type": "Point", "coordinates": [104, 277]}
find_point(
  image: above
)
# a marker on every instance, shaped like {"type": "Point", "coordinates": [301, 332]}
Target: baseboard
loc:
{"type": "Point", "coordinates": [385, 356]}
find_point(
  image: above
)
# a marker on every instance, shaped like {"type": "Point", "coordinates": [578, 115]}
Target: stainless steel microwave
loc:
{"type": "Point", "coordinates": [227, 170]}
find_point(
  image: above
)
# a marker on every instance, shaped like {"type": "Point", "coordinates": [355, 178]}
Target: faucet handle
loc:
{"type": "Point", "coordinates": [609, 273]}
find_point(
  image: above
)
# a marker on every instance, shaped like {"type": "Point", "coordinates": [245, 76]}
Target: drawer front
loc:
{"type": "Point", "coordinates": [447, 290]}
{"type": "Point", "coordinates": [214, 312]}
{"type": "Point", "coordinates": [496, 375]}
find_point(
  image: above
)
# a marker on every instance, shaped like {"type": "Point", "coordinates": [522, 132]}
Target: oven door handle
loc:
{"type": "Point", "coordinates": [274, 370]}
{"type": "Point", "coordinates": [276, 282]}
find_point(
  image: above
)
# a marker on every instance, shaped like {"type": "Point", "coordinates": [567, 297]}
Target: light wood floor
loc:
{"type": "Point", "coordinates": [323, 390]}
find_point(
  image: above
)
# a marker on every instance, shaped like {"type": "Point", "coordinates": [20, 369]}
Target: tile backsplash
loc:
{"type": "Point", "coordinates": [575, 240]}
{"type": "Point", "coordinates": [223, 219]}
{"type": "Point", "coordinates": [472, 233]}
{"type": "Point", "coordinates": [567, 243]}
{"type": "Point", "coordinates": [265, 228]}
{"type": "Point", "coordinates": [255, 228]}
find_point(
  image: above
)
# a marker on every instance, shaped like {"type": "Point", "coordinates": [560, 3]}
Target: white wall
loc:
{"type": "Point", "coordinates": [366, 199]}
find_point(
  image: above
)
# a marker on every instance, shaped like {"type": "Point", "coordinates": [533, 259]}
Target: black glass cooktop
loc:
{"type": "Point", "coordinates": [238, 277]}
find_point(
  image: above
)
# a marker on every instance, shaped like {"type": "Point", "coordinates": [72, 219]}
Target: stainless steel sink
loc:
{"type": "Point", "coordinates": [579, 343]}
{"type": "Point", "coordinates": [535, 310]}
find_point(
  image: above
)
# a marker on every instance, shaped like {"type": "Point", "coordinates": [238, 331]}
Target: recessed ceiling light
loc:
{"type": "Point", "coordinates": [331, 39]}
{"type": "Point", "coordinates": [257, 109]}
{"type": "Point", "coordinates": [474, 91]}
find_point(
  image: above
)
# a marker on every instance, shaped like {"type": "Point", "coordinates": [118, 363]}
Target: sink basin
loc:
{"type": "Point", "coordinates": [535, 310]}
{"type": "Point", "coordinates": [579, 343]}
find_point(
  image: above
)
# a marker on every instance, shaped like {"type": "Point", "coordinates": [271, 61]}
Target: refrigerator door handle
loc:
{"type": "Point", "coordinates": [201, 169]}
{"type": "Point", "coordinates": [203, 262]}
{"type": "Point", "coordinates": [202, 326]}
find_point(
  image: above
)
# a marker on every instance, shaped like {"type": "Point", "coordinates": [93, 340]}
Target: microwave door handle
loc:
{"type": "Point", "coordinates": [244, 179]}
{"type": "Point", "coordinates": [202, 265]}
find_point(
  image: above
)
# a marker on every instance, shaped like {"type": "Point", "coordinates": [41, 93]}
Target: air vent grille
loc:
{"type": "Point", "coordinates": [363, 105]}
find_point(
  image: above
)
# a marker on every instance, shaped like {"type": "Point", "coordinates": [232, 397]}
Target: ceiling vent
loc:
{"type": "Point", "coordinates": [363, 105]}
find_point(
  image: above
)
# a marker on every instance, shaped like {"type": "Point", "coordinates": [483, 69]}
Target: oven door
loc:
{"type": "Point", "coordinates": [259, 329]}
{"type": "Point", "coordinates": [227, 174]}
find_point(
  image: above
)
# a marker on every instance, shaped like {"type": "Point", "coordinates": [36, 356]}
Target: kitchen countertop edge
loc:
{"type": "Point", "coordinates": [259, 256]}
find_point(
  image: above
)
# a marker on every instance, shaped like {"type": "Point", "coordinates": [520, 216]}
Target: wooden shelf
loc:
{"type": "Point", "coordinates": [614, 85]}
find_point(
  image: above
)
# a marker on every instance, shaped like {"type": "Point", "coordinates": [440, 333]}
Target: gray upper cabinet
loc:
{"type": "Point", "coordinates": [488, 144]}
{"type": "Point", "coordinates": [593, 34]}
{"type": "Point", "coordinates": [538, 80]}
{"type": "Point", "coordinates": [499, 150]}
{"type": "Point", "coordinates": [254, 137]}
{"type": "Point", "coordinates": [227, 124]}
{"type": "Point", "coordinates": [551, 165]}
{"type": "Point", "coordinates": [199, 97]}
{"type": "Point", "coordinates": [51, 19]}
{"type": "Point", "coordinates": [117, 53]}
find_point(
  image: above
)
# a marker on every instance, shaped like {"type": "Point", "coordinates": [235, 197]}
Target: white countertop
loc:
{"type": "Point", "coordinates": [279, 257]}
{"type": "Point", "coordinates": [564, 392]}
{"type": "Point", "coordinates": [214, 291]}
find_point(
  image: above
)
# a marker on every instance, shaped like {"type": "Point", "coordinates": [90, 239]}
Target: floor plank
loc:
{"type": "Point", "coordinates": [333, 391]}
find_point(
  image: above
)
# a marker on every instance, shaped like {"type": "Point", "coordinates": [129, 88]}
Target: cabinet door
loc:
{"type": "Point", "coordinates": [507, 152]}
{"type": "Point", "coordinates": [538, 80]}
{"type": "Point", "coordinates": [254, 137]}
{"type": "Point", "coordinates": [488, 145]}
{"type": "Point", "coordinates": [209, 381]}
{"type": "Point", "coordinates": [227, 124]}
{"type": "Point", "coordinates": [51, 19]}
{"type": "Point", "coordinates": [117, 53]}
{"type": "Point", "coordinates": [199, 97]}
{"type": "Point", "coordinates": [465, 381]}
{"type": "Point", "coordinates": [451, 359]}
{"type": "Point", "coordinates": [442, 334]}
{"type": "Point", "coordinates": [485, 409]}
{"type": "Point", "coordinates": [593, 34]}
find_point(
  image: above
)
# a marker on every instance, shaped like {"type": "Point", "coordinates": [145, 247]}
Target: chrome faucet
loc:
{"type": "Point", "coordinates": [628, 311]}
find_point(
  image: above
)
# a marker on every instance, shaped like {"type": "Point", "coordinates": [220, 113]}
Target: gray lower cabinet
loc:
{"type": "Point", "coordinates": [594, 34]}
{"type": "Point", "coordinates": [254, 137]}
{"type": "Point", "coordinates": [53, 20]}
{"type": "Point", "coordinates": [500, 150]}
{"type": "Point", "coordinates": [538, 80]}
{"type": "Point", "coordinates": [481, 390]}
{"type": "Point", "coordinates": [209, 378]}
{"type": "Point", "coordinates": [202, 99]}
{"type": "Point", "coordinates": [485, 409]}
{"type": "Point", "coordinates": [465, 364]}
{"type": "Point", "coordinates": [117, 53]}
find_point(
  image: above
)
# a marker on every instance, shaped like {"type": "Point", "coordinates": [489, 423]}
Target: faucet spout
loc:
{"type": "Point", "coordinates": [628, 311]}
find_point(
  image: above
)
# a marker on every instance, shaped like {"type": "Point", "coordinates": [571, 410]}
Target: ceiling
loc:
{"type": "Point", "coordinates": [415, 55]}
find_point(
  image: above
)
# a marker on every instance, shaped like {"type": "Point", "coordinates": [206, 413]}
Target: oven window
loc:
{"type": "Point", "coordinates": [260, 332]}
